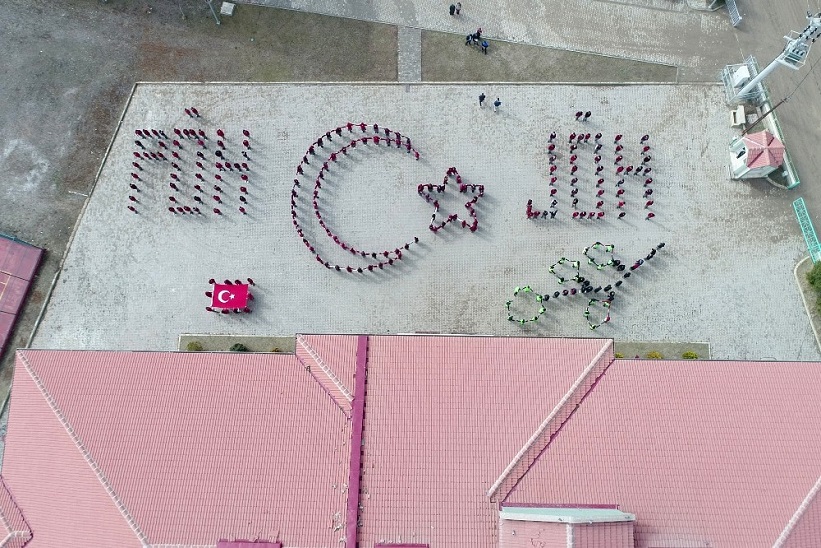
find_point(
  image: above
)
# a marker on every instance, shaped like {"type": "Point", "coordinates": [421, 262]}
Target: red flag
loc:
{"type": "Point", "coordinates": [230, 296]}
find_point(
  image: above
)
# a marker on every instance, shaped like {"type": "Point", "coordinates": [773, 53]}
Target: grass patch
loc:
{"type": "Point", "coordinates": [268, 44]}
{"type": "Point", "coordinates": [446, 58]}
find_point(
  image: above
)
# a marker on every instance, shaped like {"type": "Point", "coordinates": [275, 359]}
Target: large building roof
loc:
{"type": "Point", "coordinates": [414, 440]}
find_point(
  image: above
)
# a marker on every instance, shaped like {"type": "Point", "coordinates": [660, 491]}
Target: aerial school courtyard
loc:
{"type": "Point", "coordinates": [136, 279]}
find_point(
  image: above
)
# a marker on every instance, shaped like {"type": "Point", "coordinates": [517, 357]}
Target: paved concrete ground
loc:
{"type": "Point", "coordinates": [137, 281]}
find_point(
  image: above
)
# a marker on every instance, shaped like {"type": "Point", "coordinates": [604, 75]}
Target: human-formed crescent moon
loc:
{"type": "Point", "coordinates": [220, 294]}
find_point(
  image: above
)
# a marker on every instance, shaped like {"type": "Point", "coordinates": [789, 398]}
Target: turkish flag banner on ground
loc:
{"type": "Point", "coordinates": [230, 296]}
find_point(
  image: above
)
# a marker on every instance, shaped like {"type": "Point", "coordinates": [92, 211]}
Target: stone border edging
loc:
{"type": "Point", "coordinates": [804, 300]}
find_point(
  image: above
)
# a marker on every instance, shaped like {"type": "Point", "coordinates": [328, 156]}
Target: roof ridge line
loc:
{"type": "Point", "coordinates": [13, 532]}
{"type": "Point", "coordinates": [337, 382]}
{"type": "Point", "coordinates": [799, 513]}
{"type": "Point", "coordinates": [556, 414]}
{"type": "Point", "coordinates": [52, 403]}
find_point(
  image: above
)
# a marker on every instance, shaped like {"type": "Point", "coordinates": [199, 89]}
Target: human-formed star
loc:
{"type": "Point", "coordinates": [471, 221]}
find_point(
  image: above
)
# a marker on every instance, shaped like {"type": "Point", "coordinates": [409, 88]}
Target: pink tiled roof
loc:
{"type": "Point", "coordinates": [804, 528]}
{"type": "Point", "coordinates": [15, 530]}
{"type": "Point", "coordinates": [195, 448]}
{"type": "Point", "coordinates": [332, 365]}
{"type": "Point", "coordinates": [191, 447]}
{"type": "Point", "coordinates": [53, 484]}
{"type": "Point", "coordinates": [763, 149]}
{"type": "Point", "coordinates": [706, 452]}
{"type": "Point", "coordinates": [444, 417]}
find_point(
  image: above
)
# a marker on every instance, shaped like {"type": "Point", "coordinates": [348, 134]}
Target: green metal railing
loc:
{"type": "Point", "coordinates": [810, 237]}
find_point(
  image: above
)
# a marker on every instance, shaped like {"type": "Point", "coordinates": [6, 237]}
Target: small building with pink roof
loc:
{"type": "Point", "coordinates": [410, 441]}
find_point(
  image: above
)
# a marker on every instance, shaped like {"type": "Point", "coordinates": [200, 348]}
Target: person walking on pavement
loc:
{"type": "Point", "coordinates": [496, 104]}
{"type": "Point", "coordinates": [484, 46]}
{"type": "Point", "coordinates": [482, 98]}
{"type": "Point", "coordinates": [453, 9]}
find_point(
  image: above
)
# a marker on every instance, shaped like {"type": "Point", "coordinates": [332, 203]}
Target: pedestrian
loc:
{"type": "Point", "coordinates": [468, 39]}
{"type": "Point", "coordinates": [496, 104]}
{"type": "Point", "coordinates": [646, 160]}
{"type": "Point", "coordinates": [617, 139]}
{"type": "Point", "coordinates": [575, 202]}
{"type": "Point", "coordinates": [587, 115]}
{"type": "Point", "coordinates": [139, 144]}
{"type": "Point", "coordinates": [650, 215]}
{"type": "Point", "coordinates": [135, 176]}
{"type": "Point", "coordinates": [188, 112]}
{"type": "Point", "coordinates": [599, 204]}
{"type": "Point", "coordinates": [648, 181]}
{"type": "Point", "coordinates": [133, 199]}
{"type": "Point", "coordinates": [648, 204]}
{"type": "Point", "coordinates": [645, 149]}
{"type": "Point", "coordinates": [453, 9]}
{"type": "Point", "coordinates": [621, 204]}
{"type": "Point", "coordinates": [482, 98]}
{"type": "Point", "coordinates": [648, 192]}
{"type": "Point", "coordinates": [597, 137]}
{"type": "Point", "coordinates": [579, 115]}
{"type": "Point", "coordinates": [458, 8]}
{"type": "Point", "coordinates": [622, 214]}
{"type": "Point", "coordinates": [485, 45]}
{"type": "Point", "coordinates": [644, 138]}
{"type": "Point", "coordinates": [598, 147]}
{"type": "Point", "coordinates": [246, 133]}
{"type": "Point", "coordinates": [246, 144]}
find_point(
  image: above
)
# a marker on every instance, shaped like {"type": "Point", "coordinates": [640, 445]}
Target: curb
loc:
{"type": "Point", "coordinates": [804, 300]}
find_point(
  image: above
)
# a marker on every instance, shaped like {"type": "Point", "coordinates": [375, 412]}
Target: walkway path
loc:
{"type": "Point", "coordinates": [409, 44]}
{"type": "Point", "coordinates": [659, 31]}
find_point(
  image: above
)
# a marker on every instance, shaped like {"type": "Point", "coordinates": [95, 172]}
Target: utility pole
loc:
{"type": "Point", "coordinates": [211, 5]}
{"type": "Point", "coordinates": [794, 54]}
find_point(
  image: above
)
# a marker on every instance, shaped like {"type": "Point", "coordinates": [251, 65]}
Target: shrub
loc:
{"type": "Point", "coordinates": [690, 355]}
{"type": "Point", "coordinates": [654, 355]}
{"type": "Point", "coordinates": [194, 346]}
{"type": "Point", "coordinates": [619, 355]}
{"type": "Point", "coordinates": [814, 277]}
{"type": "Point", "coordinates": [238, 347]}
{"type": "Point", "coordinates": [276, 349]}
